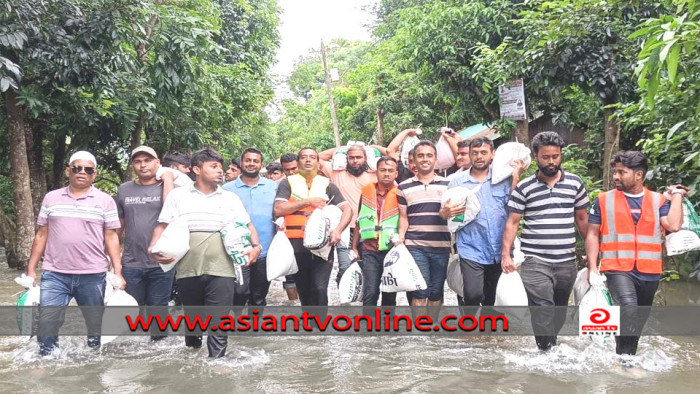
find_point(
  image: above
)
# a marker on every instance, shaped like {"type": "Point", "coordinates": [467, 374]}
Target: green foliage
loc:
{"type": "Point", "coordinates": [669, 112]}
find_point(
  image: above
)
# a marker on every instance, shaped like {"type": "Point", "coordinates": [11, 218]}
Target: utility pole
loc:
{"type": "Point", "coordinates": [336, 131]}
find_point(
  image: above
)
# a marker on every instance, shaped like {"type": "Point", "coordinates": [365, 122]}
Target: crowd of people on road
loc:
{"type": "Point", "coordinates": [80, 228]}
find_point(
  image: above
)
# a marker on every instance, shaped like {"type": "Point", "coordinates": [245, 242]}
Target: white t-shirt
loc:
{"type": "Point", "coordinates": [203, 212]}
{"type": "Point", "coordinates": [179, 178]}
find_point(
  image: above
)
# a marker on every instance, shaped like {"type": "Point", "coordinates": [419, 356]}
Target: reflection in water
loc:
{"type": "Point", "coordinates": [390, 364]}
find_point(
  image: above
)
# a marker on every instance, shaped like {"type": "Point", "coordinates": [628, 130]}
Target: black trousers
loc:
{"type": "Point", "coordinates": [207, 290]}
{"type": "Point", "coordinates": [255, 286]}
{"type": "Point", "coordinates": [312, 279]}
{"type": "Point", "coordinates": [626, 290]}
{"type": "Point", "coordinates": [479, 281]}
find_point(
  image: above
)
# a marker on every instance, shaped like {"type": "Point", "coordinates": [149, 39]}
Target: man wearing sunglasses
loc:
{"type": "Point", "coordinates": [77, 231]}
{"type": "Point", "coordinates": [139, 203]}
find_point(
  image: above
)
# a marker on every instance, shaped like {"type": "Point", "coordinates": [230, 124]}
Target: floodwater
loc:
{"type": "Point", "coordinates": [352, 364]}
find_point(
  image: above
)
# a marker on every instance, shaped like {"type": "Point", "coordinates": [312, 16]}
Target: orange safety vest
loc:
{"type": "Point", "coordinates": [378, 222]}
{"type": "Point", "coordinates": [624, 244]}
{"type": "Point", "coordinates": [295, 223]}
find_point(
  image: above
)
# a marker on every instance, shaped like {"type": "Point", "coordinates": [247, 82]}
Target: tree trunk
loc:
{"type": "Point", "coordinates": [135, 143]}
{"type": "Point", "coordinates": [59, 158]}
{"type": "Point", "coordinates": [611, 145]}
{"type": "Point", "coordinates": [379, 138]}
{"type": "Point", "coordinates": [17, 128]}
{"type": "Point", "coordinates": [522, 132]}
{"type": "Point", "coordinates": [35, 157]}
{"type": "Point", "coordinates": [8, 239]}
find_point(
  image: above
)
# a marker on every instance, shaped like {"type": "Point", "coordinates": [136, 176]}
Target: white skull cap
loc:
{"type": "Point", "coordinates": [82, 155]}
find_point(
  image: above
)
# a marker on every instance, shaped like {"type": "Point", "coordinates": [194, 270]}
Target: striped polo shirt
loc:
{"type": "Point", "coordinates": [426, 229]}
{"type": "Point", "coordinates": [76, 230]}
{"type": "Point", "coordinates": [549, 227]}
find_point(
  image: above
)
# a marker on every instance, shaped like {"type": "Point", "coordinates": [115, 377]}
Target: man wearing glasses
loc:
{"type": "Point", "coordinates": [77, 231]}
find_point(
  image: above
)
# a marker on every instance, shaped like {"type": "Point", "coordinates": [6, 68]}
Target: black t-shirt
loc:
{"type": "Point", "coordinates": [404, 173]}
{"type": "Point", "coordinates": [284, 191]}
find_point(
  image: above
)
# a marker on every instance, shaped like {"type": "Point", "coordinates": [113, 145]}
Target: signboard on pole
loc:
{"type": "Point", "coordinates": [513, 100]}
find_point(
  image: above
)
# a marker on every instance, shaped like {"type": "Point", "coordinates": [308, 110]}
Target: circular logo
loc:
{"type": "Point", "coordinates": [599, 316]}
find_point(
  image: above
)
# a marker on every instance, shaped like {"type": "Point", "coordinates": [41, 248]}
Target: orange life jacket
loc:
{"type": "Point", "coordinates": [295, 223]}
{"type": "Point", "coordinates": [624, 244]}
{"type": "Point", "coordinates": [378, 222]}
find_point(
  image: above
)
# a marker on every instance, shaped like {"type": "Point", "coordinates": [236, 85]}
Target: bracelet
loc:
{"type": "Point", "coordinates": [677, 191]}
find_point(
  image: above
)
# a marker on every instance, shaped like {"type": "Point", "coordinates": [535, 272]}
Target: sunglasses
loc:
{"type": "Point", "coordinates": [88, 170]}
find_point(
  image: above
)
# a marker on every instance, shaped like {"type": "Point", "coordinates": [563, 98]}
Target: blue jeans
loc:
{"type": "Point", "coordinates": [149, 286]}
{"type": "Point", "coordinates": [57, 289]}
{"type": "Point", "coordinates": [433, 267]}
{"type": "Point", "coordinates": [372, 265]}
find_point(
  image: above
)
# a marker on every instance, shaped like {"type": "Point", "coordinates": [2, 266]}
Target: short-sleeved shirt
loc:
{"type": "Point", "coordinates": [76, 230]}
{"type": "Point", "coordinates": [635, 203]}
{"type": "Point", "coordinates": [549, 231]}
{"type": "Point", "coordinates": [350, 185]}
{"type": "Point", "coordinates": [139, 207]}
{"type": "Point", "coordinates": [284, 191]}
{"type": "Point", "coordinates": [203, 212]}
{"type": "Point", "coordinates": [206, 215]}
{"type": "Point", "coordinates": [480, 240]}
{"type": "Point", "coordinates": [259, 202]}
{"type": "Point", "coordinates": [426, 229]}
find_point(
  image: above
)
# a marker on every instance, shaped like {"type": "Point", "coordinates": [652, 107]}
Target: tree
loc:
{"type": "Point", "coordinates": [560, 45]}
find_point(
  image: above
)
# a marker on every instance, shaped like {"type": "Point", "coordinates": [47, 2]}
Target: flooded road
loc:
{"type": "Point", "coordinates": [351, 364]}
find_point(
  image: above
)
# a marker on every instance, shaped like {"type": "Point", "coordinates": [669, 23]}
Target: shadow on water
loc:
{"type": "Point", "coordinates": [350, 364]}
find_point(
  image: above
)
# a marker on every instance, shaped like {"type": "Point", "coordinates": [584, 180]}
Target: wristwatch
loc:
{"type": "Point", "coordinates": [256, 246]}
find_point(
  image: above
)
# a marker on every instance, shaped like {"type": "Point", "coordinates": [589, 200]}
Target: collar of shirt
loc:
{"type": "Point", "coordinates": [239, 183]}
{"type": "Point", "coordinates": [561, 178]}
{"type": "Point", "coordinates": [218, 190]}
{"type": "Point", "coordinates": [90, 193]}
{"type": "Point", "coordinates": [469, 178]}
{"type": "Point", "coordinates": [436, 178]}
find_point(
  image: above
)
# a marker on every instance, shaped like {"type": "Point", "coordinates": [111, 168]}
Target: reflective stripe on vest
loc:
{"type": "Point", "coordinates": [378, 222]}
{"type": "Point", "coordinates": [624, 244]}
{"type": "Point", "coordinates": [295, 223]}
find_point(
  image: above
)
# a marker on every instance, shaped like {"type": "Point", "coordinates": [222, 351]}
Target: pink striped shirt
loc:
{"type": "Point", "coordinates": [76, 230]}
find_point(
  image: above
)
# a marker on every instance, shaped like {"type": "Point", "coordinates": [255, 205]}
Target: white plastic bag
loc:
{"type": "Point", "coordinates": [401, 272]}
{"type": "Point", "coordinates": [408, 143]}
{"type": "Point", "coordinates": [510, 290]}
{"type": "Point", "coordinates": [504, 160]}
{"type": "Point", "coordinates": [454, 276]}
{"type": "Point", "coordinates": [466, 197]}
{"type": "Point", "coordinates": [445, 157]}
{"type": "Point", "coordinates": [236, 239]}
{"type": "Point", "coordinates": [597, 295]}
{"type": "Point", "coordinates": [179, 178]}
{"type": "Point", "coordinates": [317, 230]}
{"type": "Point", "coordinates": [116, 297]}
{"type": "Point", "coordinates": [581, 285]}
{"type": "Point", "coordinates": [681, 241]}
{"type": "Point", "coordinates": [340, 159]}
{"type": "Point", "coordinates": [27, 319]}
{"type": "Point", "coordinates": [334, 214]}
{"type": "Point", "coordinates": [173, 242]}
{"type": "Point", "coordinates": [280, 257]}
{"type": "Point", "coordinates": [350, 286]}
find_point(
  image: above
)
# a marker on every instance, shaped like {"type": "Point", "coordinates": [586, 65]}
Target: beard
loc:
{"type": "Point", "coordinates": [549, 171]}
{"type": "Point", "coordinates": [250, 174]}
{"type": "Point", "coordinates": [357, 171]}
